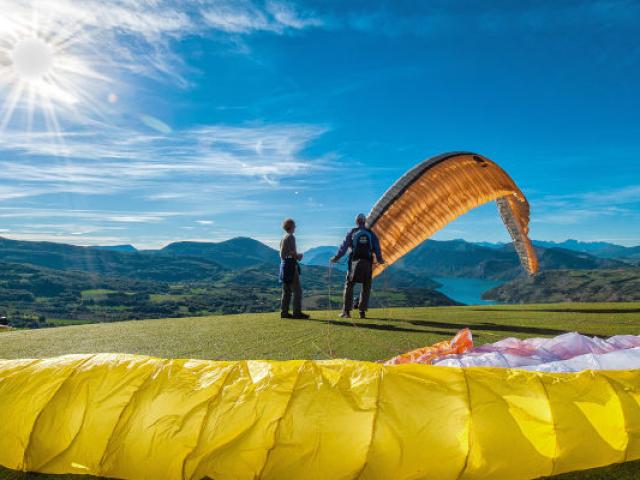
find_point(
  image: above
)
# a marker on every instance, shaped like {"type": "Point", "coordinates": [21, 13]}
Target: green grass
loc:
{"type": "Point", "coordinates": [266, 336]}
{"type": "Point", "coordinates": [160, 298]}
{"type": "Point", "coordinates": [96, 293]}
{"type": "Point", "coordinates": [386, 333]}
{"type": "Point", "coordinates": [64, 322]}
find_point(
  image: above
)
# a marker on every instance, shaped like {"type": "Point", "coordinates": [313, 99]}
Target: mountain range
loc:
{"type": "Point", "coordinates": [71, 283]}
{"type": "Point", "coordinates": [241, 275]}
{"type": "Point", "coordinates": [598, 249]}
{"type": "Point", "coordinates": [570, 286]}
{"type": "Point", "coordinates": [211, 262]}
{"type": "Point", "coordinates": [459, 258]}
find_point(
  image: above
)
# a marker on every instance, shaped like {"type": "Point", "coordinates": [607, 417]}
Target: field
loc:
{"type": "Point", "coordinates": [387, 332]}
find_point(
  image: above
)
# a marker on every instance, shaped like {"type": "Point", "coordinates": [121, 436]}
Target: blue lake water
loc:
{"type": "Point", "coordinates": [466, 290]}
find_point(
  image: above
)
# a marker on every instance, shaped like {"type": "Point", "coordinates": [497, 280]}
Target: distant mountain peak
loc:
{"type": "Point", "coordinates": [238, 252]}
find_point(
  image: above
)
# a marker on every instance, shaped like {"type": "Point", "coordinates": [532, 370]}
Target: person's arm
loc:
{"type": "Point", "coordinates": [294, 249]}
{"type": "Point", "coordinates": [343, 248]}
{"type": "Point", "coordinates": [376, 247]}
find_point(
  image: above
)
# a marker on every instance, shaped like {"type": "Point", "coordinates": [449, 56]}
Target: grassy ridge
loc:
{"type": "Point", "coordinates": [388, 332]}
{"type": "Point", "coordinates": [266, 336]}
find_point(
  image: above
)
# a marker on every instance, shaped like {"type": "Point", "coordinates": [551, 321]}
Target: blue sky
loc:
{"type": "Point", "coordinates": [157, 121]}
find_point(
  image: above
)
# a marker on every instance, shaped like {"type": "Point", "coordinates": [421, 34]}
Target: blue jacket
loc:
{"type": "Point", "coordinates": [347, 244]}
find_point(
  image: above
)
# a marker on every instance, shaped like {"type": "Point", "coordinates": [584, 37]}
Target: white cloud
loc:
{"type": "Point", "coordinates": [100, 46]}
{"type": "Point", "coordinates": [135, 218]}
{"type": "Point", "coordinates": [244, 16]}
{"type": "Point", "coordinates": [119, 160]}
{"type": "Point", "coordinates": [83, 216]}
{"type": "Point", "coordinates": [74, 238]}
{"type": "Point", "coordinates": [118, 35]}
{"type": "Point", "coordinates": [205, 222]}
{"type": "Point", "coordinates": [288, 16]}
{"type": "Point", "coordinates": [611, 198]}
{"type": "Point", "coordinates": [579, 207]}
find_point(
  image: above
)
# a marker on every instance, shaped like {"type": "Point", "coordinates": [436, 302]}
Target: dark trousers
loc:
{"type": "Point", "coordinates": [292, 289]}
{"type": "Point", "coordinates": [359, 272]}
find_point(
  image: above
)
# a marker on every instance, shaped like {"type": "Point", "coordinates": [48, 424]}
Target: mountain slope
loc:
{"type": "Point", "coordinates": [319, 255]}
{"type": "Point", "coordinates": [561, 258]}
{"type": "Point", "coordinates": [571, 286]}
{"type": "Point", "coordinates": [598, 249]}
{"type": "Point", "coordinates": [240, 252]}
{"type": "Point", "coordinates": [458, 258]}
{"type": "Point", "coordinates": [116, 248]}
{"type": "Point", "coordinates": [141, 266]}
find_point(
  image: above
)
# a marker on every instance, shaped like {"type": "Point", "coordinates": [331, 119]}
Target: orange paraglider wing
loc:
{"type": "Point", "coordinates": [461, 343]}
{"type": "Point", "coordinates": [439, 190]}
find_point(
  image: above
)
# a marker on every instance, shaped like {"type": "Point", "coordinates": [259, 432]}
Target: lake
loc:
{"type": "Point", "coordinates": [466, 290]}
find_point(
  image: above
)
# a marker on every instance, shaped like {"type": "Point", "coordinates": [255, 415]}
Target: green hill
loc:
{"type": "Point", "coordinates": [240, 252]}
{"type": "Point", "coordinates": [133, 265]}
{"type": "Point", "coordinates": [388, 332]}
{"type": "Point", "coordinates": [571, 286]}
{"type": "Point", "coordinates": [599, 249]}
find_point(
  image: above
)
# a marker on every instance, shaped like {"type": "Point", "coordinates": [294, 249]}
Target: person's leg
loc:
{"type": "Point", "coordinates": [286, 298]}
{"type": "Point", "coordinates": [365, 293]}
{"type": "Point", "coordinates": [296, 289]}
{"type": "Point", "coordinates": [347, 297]}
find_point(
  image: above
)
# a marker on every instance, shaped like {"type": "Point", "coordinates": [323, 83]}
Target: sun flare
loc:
{"type": "Point", "coordinates": [32, 59]}
{"type": "Point", "coordinates": [44, 76]}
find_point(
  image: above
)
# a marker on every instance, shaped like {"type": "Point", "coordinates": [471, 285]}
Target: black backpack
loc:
{"type": "Point", "coordinates": [362, 247]}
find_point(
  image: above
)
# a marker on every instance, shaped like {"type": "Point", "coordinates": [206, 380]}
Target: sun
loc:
{"type": "Point", "coordinates": [44, 76]}
{"type": "Point", "coordinates": [32, 59]}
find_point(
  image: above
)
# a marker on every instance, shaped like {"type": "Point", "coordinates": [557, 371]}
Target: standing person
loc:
{"type": "Point", "coordinates": [290, 272]}
{"type": "Point", "coordinates": [362, 244]}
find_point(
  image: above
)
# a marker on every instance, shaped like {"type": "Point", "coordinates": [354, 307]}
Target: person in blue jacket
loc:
{"type": "Point", "coordinates": [363, 245]}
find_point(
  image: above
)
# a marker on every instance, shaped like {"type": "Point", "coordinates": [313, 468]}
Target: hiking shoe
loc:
{"type": "Point", "coordinates": [286, 315]}
{"type": "Point", "coordinates": [300, 315]}
{"type": "Point", "coordinates": [345, 315]}
{"type": "Point", "coordinates": [363, 314]}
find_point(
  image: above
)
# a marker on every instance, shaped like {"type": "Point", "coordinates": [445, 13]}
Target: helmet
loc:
{"type": "Point", "coordinates": [361, 219]}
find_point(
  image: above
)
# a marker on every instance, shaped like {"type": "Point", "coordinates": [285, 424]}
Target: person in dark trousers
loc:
{"type": "Point", "coordinates": [362, 244]}
{"type": "Point", "coordinates": [290, 273]}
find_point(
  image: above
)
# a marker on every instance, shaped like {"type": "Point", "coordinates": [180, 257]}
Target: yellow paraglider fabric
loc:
{"type": "Point", "coordinates": [439, 190]}
{"type": "Point", "coordinates": [136, 417]}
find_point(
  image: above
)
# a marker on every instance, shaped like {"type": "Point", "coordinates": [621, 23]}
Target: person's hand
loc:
{"type": "Point", "coordinates": [382, 262]}
{"type": "Point", "coordinates": [300, 255]}
{"type": "Point", "coordinates": [333, 259]}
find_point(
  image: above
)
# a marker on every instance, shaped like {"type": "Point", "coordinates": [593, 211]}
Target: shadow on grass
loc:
{"type": "Point", "coordinates": [494, 327]}
{"type": "Point", "coordinates": [373, 326]}
{"type": "Point", "coordinates": [6, 474]}
{"type": "Point", "coordinates": [620, 471]}
{"type": "Point", "coordinates": [624, 471]}
{"type": "Point", "coordinates": [489, 327]}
